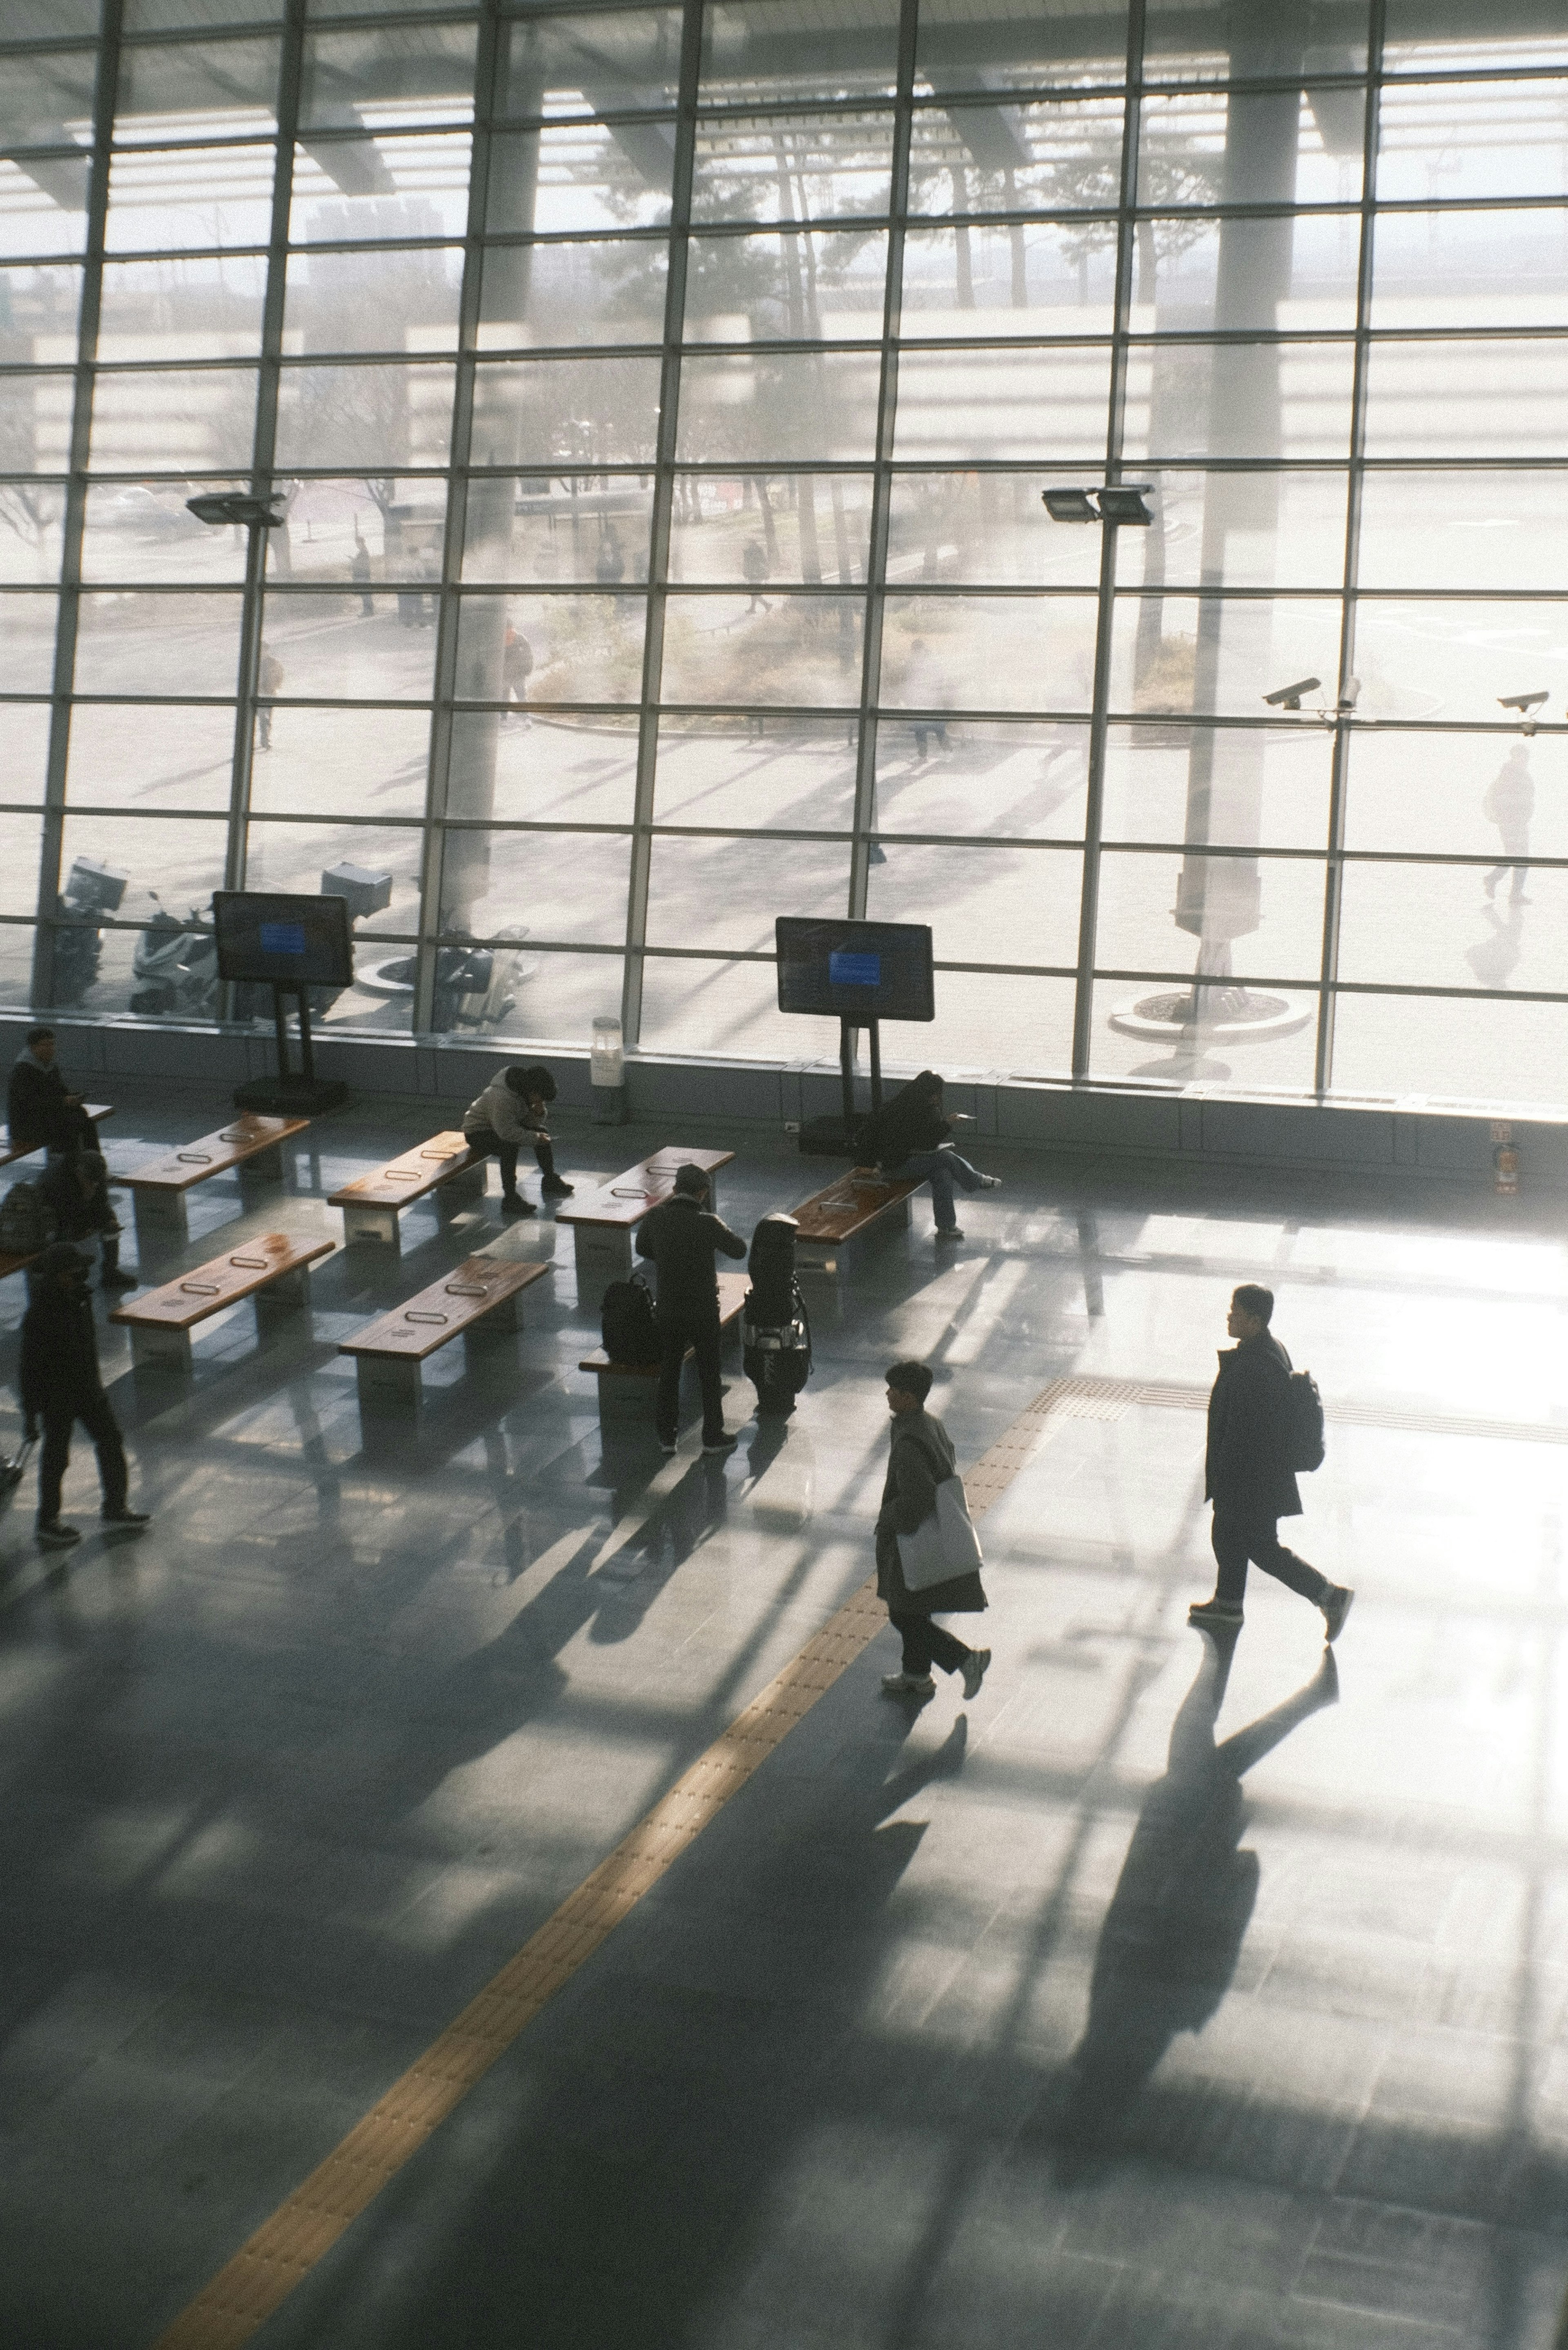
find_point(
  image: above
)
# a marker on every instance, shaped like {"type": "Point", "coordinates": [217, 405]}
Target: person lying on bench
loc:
{"type": "Point", "coordinates": [909, 1136]}
{"type": "Point", "coordinates": [76, 1190]}
{"type": "Point", "coordinates": [40, 1111]}
{"type": "Point", "coordinates": [512, 1111]}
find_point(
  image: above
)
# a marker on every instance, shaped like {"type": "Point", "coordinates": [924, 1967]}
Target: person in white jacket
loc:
{"type": "Point", "coordinates": [511, 1113]}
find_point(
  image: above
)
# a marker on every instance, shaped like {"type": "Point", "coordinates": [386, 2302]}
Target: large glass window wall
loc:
{"type": "Point", "coordinates": [657, 403]}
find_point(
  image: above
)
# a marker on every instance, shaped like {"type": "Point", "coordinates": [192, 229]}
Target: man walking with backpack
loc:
{"type": "Point", "coordinates": [61, 1384]}
{"type": "Point", "coordinates": [681, 1236]}
{"type": "Point", "coordinates": [1255, 1450]}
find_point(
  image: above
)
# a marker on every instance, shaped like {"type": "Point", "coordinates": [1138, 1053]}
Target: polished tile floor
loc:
{"type": "Point", "coordinates": [1162, 1997]}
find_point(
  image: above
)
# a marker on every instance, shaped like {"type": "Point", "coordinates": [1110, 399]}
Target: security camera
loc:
{"type": "Point", "coordinates": [1352, 694]}
{"type": "Point", "coordinates": [1289, 697]}
{"type": "Point", "coordinates": [1527, 705]}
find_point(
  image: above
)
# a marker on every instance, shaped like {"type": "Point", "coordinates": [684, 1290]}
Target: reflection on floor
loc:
{"type": "Point", "coordinates": [1170, 1994]}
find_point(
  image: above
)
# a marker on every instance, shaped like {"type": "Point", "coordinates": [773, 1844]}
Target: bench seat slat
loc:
{"type": "Point", "coordinates": [625, 1199]}
{"type": "Point", "coordinates": [401, 1180]}
{"type": "Point", "coordinates": [845, 1208]}
{"type": "Point", "coordinates": [191, 1298]}
{"type": "Point", "coordinates": [214, 1154]}
{"type": "Point", "coordinates": [414, 1330]}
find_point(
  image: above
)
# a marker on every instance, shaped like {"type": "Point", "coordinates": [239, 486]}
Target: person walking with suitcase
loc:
{"type": "Point", "coordinates": [681, 1238]}
{"type": "Point", "coordinates": [1249, 1475]}
{"type": "Point", "coordinates": [921, 1459]}
{"type": "Point", "coordinates": [60, 1384]}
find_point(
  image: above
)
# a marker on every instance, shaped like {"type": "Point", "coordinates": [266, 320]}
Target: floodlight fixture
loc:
{"type": "Point", "coordinates": [1527, 705]}
{"type": "Point", "coordinates": [1289, 697]}
{"type": "Point", "coordinates": [1123, 502]}
{"type": "Point", "coordinates": [237, 508]}
{"type": "Point", "coordinates": [1070, 506]}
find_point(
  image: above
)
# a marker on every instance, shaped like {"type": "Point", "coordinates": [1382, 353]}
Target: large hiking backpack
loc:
{"type": "Point", "coordinates": [775, 1331]}
{"type": "Point", "coordinates": [1304, 1423]}
{"type": "Point", "coordinates": [627, 1325]}
{"type": "Point", "coordinates": [26, 1221]}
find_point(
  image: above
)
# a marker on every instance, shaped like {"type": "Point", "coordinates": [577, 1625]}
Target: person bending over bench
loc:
{"type": "Point", "coordinates": [680, 1236]}
{"type": "Point", "coordinates": [512, 1111]}
{"type": "Point", "coordinates": [39, 1112]}
{"type": "Point", "coordinates": [911, 1136]}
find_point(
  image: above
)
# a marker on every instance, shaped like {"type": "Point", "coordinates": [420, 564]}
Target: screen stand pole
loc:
{"type": "Point", "coordinates": [846, 1074]}
{"type": "Point", "coordinates": [292, 1093]}
{"type": "Point", "coordinates": [306, 1052]}
{"type": "Point", "coordinates": [281, 1026]}
{"type": "Point", "coordinates": [876, 1069]}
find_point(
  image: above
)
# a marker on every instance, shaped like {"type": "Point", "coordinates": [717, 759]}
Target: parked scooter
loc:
{"type": "Point", "coordinates": [175, 967]}
{"type": "Point", "coordinates": [91, 891]}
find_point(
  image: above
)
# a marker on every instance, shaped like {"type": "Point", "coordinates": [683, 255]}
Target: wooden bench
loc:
{"type": "Point", "coordinates": [161, 1189]}
{"type": "Point", "coordinates": [274, 1270]}
{"type": "Point", "coordinates": [479, 1299]}
{"type": "Point", "coordinates": [603, 1223]}
{"type": "Point", "coordinates": [371, 1205]}
{"type": "Point", "coordinates": [628, 1389]}
{"type": "Point", "coordinates": [97, 1111]}
{"type": "Point", "coordinates": [835, 1224]}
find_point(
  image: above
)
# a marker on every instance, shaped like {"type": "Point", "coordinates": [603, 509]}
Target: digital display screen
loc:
{"type": "Point", "coordinates": [859, 971]}
{"type": "Point", "coordinates": [297, 941]}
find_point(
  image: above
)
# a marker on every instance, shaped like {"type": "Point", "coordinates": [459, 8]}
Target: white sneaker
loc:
{"type": "Point", "coordinates": [974, 1666]}
{"type": "Point", "coordinates": [908, 1685]}
{"type": "Point", "coordinates": [948, 1233]}
{"type": "Point", "coordinates": [990, 1182]}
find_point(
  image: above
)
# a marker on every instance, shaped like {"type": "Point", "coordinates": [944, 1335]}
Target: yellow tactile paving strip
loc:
{"type": "Point", "coordinates": [283, 2250]}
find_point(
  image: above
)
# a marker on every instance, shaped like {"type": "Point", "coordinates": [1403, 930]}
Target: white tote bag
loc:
{"type": "Point", "coordinates": [942, 1545]}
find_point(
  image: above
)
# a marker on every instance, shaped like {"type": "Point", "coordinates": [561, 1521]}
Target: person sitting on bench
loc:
{"type": "Point", "coordinates": [76, 1190]}
{"type": "Point", "coordinates": [40, 1111]}
{"type": "Point", "coordinates": [909, 1136]}
{"type": "Point", "coordinates": [512, 1111]}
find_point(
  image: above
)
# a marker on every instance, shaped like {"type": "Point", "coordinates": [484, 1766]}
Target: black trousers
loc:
{"type": "Point", "coordinates": [95, 1414]}
{"type": "Point", "coordinates": [926, 1644]}
{"type": "Point", "coordinates": [485, 1143]}
{"type": "Point", "coordinates": [1238, 1537]}
{"type": "Point", "coordinates": [698, 1327]}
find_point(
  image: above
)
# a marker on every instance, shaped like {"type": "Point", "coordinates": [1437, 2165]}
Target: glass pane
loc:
{"type": "Point", "coordinates": [606, 63]}
{"type": "Point", "coordinates": [1247, 276]}
{"type": "Point", "coordinates": [36, 219]}
{"type": "Point", "coordinates": [1234, 787]}
{"type": "Point", "coordinates": [31, 514]}
{"type": "Point", "coordinates": [1241, 400]}
{"type": "Point", "coordinates": [591, 412]}
{"type": "Point", "coordinates": [380, 533]}
{"type": "Point", "coordinates": [182, 198]}
{"type": "Point", "coordinates": [1011, 48]}
{"type": "Point", "coordinates": [374, 300]}
{"type": "Point", "coordinates": [522, 650]}
{"type": "Point", "coordinates": [35, 422]}
{"type": "Point", "coordinates": [38, 315]}
{"type": "Point", "coordinates": [768, 771]}
{"type": "Point", "coordinates": [778, 405]}
{"type": "Point", "coordinates": [415, 185]}
{"type": "Point", "coordinates": [382, 1000]}
{"type": "Point", "coordinates": [1248, 917]}
{"type": "Point", "coordinates": [188, 16]}
{"type": "Point", "coordinates": [727, 893]}
{"type": "Point", "coordinates": [1437, 658]}
{"type": "Point", "coordinates": [1478, 795]}
{"type": "Point", "coordinates": [566, 885]}
{"type": "Point", "coordinates": [140, 756]}
{"type": "Point", "coordinates": [1454, 925]}
{"type": "Point", "coordinates": [174, 422]}
{"type": "Point", "coordinates": [805, 286]}
{"type": "Point", "coordinates": [1462, 269]}
{"type": "Point", "coordinates": [562, 529]}
{"type": "Point", "coordinates": [1237, 530]}
{"type": "Point", "coordinates": [175, 864]}
{"type": "Point", "coordinates": [805, 528]}
{"type": "Point", "coordinates": [1461, 530]}
{"type": "Point", "coordinates": [1253, 147]}
{"type": "Point", "coordinates": [1031, 278]}
{"type": "Point", "coordinates": [557, 769]}
{"type": "Point", "coordinates": [984, 530]}
{"type": "Point", "coordinates": [378, 417]}
{"type": "Point", "coordinates": [608, 290]}
{"type": "Point", "coordinates": [1466, 400]}
{"type": "Point", "coordinates": [26, 642]}
{"type": "Point", "coordinates": [328, 651]}
{"type": "Point", "coordinates": [695, 1006]}
{"type": "Point", "coordinates": [799, 649]}
{"type": "Point", "coordinates": [344, 762]}
{"type": "Point", "coordinates": [388, 76]}
{"type": "Point", "coordinates": [26, 725]}
{"type": "Point", "coordinates": [975, 776]}
{"type": "Point", "coordinates": [48, 20]}
{"type": "Point", "coordinates": [21, 838]}
{"type": "Point", "coordinates": [47, 102]}
{"type": "Point", "coordinates": [987, 652]}
{"type": "Point", "coordinates": [788, 49]}
{"type": "Point", "coordinates": [1055, 155]}
{"type": "Point", "coordinates": [548, 997]}
{"type": "Point", "coordinates": [1260, 1038]}
{"type": "Point", "coordinates": [298, 857]}
{"type": "Point", "coordinates": [200, 90]}
{"type": "Point", "coordinates": [984, 905]}
{"type": "Point", "coordinates": [1200, 40]}
{"type": "Point", "coordinates": [579, 176]}
{"type": "Point", "coordinates": [158, 643]}
{"type": "Point", "coordinates": [793, 167]}
{"type": "Point", "coordinates": [1449, 1050]}
{"type": "Point", "coordinates": [179, 309]}
{"type": "Point", "coordinates": [1461, 138]}
{"type": "Point", "coordinates": [1221, 654]}
{"type": "Point", "coordinates": [1000, 404]}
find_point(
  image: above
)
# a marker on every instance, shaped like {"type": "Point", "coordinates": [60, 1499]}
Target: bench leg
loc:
{"type": "Point", "coordinates": [388, 1384]}
{"type": "Point", "coordinates": [602, 1257]}
{"type": "Point", "coordinates": [161, 1350]}
{"type": "Point", "coordinates": [469, 1185]}
{"type": "Point", "coordinates": [501, 1321]}
{"type": "Point", "coordinates": [289, 1294]}
{"type": "Point", "coordinates": [624, 1400]}
{"type": "Point", "coordinates": [378, 1224]}
{"type": "Point", "coordinates": [266, 1166]}
{"type": "Point", "coordinates": [160, 1220]}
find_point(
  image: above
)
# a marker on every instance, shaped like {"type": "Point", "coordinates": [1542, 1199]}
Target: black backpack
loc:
{"type": "Point", "coordinates": [1304, 1423]}
{"type": "Point", "coordinates": [26, 1221]}
{"type": "Point", "coordinates": [627, 1325]}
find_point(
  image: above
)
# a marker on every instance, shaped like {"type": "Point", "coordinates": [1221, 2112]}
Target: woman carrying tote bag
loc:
{"type": "Point", "coordinates": [928, 1560]}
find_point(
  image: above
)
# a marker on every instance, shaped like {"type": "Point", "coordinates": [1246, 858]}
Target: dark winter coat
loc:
{"type": "Point", "coordinates": [59, 1350]}
{"type": "Point", "coordinates": [681, 1237]}
{"type": "Point", "coordinates": [911, 1121]}
{"type": "Point", "coordinates": [36, 1104]}
{"type": "Point", "coordinates": [921, 1457]}
{"type": "Point", "coordinates": [1247, 1470]}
